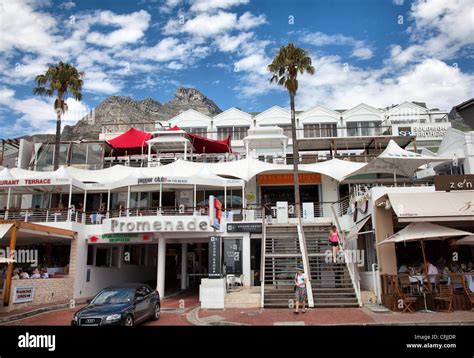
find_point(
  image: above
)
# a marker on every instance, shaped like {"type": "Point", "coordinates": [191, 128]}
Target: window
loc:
{"type": "Point", "coordinates": [102, 257]}
{"type": "Point", "coordinates": [79, 153]}
{"type": "Point", "coordinates": [201, 131]}
{"type": "Point", "coordinates": [317, 130]}
{"type": "Point", "coordinates": [237, 132]}
{"type": "Point", "coordinates": [45, 156]}
{"type": "Point", "coordinates": [366, 128]}
{"type": "Point", "coordinates": [90, 255]}
{"type": "Point", "coordinates": [134, 254]}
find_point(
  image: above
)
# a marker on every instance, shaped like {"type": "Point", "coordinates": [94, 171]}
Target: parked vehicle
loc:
{"type": "Point", "coordinates": [124, 305]}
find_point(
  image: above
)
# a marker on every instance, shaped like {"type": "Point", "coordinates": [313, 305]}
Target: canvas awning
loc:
{"type": "Point", "coordinates": [335, 168]}
{"type": "Point", "coordinates": [423, 231]}
{"type": "Point", "coordinates": [397, 161]}
{"type": "Point", "coordinates": [432, 206]}
{"type": "Point", "coordinates": [4, 228]}
{"type": "Point", "coordinates": [354, 231]}
{"type": "Point", "coordinates": [468, 240]}
{"type": "Point", "coordinates": [131, 139]}
{"type": "Point", "coordinates": [205, 145]}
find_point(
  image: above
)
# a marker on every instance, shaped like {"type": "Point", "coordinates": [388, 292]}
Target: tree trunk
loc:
{"type": "Point", "coordinates": [57, 139]}
{"type": "Point", "coordinates": [295, 157]}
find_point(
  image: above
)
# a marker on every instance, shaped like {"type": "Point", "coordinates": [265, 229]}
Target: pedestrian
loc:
{"type": "Point", "coordinates": [300, 289]}
{"type": "Point", "coordinates": [334, 242]}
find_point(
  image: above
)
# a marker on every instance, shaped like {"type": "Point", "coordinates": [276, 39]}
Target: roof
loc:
{"type": "Point", "coordinates": [126, 285]}
{"type": "Point", "coordinates": [133, 138]}
{"type": "Point", "coordinates": [465, 104]}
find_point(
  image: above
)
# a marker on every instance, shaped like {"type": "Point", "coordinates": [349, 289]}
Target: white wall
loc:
{"type": "Point", "coordinates": [329, 193]}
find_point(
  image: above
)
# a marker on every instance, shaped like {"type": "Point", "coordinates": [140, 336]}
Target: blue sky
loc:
{"type": "Point", "coordinates": [379, 52]}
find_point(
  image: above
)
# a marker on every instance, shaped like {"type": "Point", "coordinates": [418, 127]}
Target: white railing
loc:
{"type": "Point", "coordinates": [304, 255]}
{"type": "Point", "coordinates": [262, 260]}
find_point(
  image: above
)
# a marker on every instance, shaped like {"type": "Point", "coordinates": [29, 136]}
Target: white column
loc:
{"type": "Point", "coordinates": [225, 197]}
{"type": "Point", "coordinates": [128, 200]}
{"type": "Point", "coordinates": [161, 191]}
{"type": "Point", "coordinates": [8, 202]}
{"type": "Point", "coordinates": [246, 259]}
{"type": "Point", "coordinates": [184, 266]}
{"type": "Point", "coordinates": [195, 199]}
{"type": "Point", "coordinates": [149, 154]}
{"type": "Point", "coordinates": [69, 203]}
{"type": "Point", "coordinates": [244, 204]}
{"type": "Point", "coordinates": [160, 274]}
{"type": "Point", "coordinates": [185, 150]}
{"type": "Point", "coordinates": [108, 201]}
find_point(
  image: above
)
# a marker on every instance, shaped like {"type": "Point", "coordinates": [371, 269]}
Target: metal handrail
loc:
{"type": "Point", "coordinates": [262, 260]}
{"type": "Point", "coordinates": [304, 256]}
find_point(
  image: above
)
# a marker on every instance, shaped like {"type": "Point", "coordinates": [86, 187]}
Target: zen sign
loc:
{"type": "Point", "coordinates": [23, 294]}
{"type": "Point", "coordinates": [454, 182]}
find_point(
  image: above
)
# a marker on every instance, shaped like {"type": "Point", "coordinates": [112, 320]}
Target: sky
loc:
{"type": "Point", "coordinates": [378, 52]}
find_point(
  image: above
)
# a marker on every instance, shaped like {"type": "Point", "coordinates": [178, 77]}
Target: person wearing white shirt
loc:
{"type": "Point", "coordinates": [24, 275]}
{"type": "Point", "coordinates": [432, 271]}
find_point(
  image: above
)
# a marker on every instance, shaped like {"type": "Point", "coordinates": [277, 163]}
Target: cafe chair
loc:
{"type": "Point", "coordinates": [407, 300]}
{"type": "Point", "coordinates": [445, 297]}
{"type": "Point", "coordinates": [405, 283]}
{"type": "Point", "coordinates": [469, 294]}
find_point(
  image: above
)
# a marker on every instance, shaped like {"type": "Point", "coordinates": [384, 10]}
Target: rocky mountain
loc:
{"type": "Point", "coordinates": [117, 113]}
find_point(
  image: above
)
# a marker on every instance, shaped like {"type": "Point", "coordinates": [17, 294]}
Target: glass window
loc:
{"type": "Point", "coordinates": [63, 154]}
{"type": "Point", "coordinates": [79, 153]}
{"type": "Point", "coordinates": [365, 128]}
{"type": "Point", "coordinates": [94, 153]}
{"type": "Point", "coordinates": [45, 156]}
{"type": "Point", "coordinates": [352, 129]}
{"type": "Point", "coordinates": [238, 133]}
{"type": "Point", "coordinates": [201, 131]}
{"type": "Point", "coordinates": [102, 257]}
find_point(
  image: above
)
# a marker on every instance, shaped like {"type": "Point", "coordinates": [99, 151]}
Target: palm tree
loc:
{"type": "Point", "coordinates": [59, 80]}
{"type": "Point", "coordinates": [285, 67]}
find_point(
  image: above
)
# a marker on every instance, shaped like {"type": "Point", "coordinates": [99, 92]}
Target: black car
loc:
{"type": "Point", "coordinates": [124, 305]}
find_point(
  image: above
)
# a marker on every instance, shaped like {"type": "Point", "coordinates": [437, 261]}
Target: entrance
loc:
{"type": "Point", "coordinates": [272, 194]}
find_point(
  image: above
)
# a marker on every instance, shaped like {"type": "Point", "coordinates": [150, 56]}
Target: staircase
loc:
{"type": "Point", "coordinates": [331, 282]}
{"type": "Point", "coordinates": [281, 256]}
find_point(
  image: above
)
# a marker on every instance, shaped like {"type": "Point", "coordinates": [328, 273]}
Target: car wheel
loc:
{"type": "Point", "coordinates": [156, 313]}
{"type": "Point", "coordinates": [128, 321]}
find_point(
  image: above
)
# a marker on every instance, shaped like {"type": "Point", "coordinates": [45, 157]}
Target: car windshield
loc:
{"type": "Point", "coordinates": [110, 297]}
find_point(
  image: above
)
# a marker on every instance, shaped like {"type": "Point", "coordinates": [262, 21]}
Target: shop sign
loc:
{"type": "Point", "coordinates": [424, 131]}
{"type": "Point", "coordinates": [176, 223]}
{"type": "Point", "coordinates": [308, 212]}
{"type": "Point", "coordinates": [282, 212]}
{"type": "Point", "coordinates": [34, 182]}
{"type": "Point", "coordinates": [215, 212]}
{"type": "Point", "coordinates": [233, 256]}
{"type": "Point", "coordinates": [119, 238]}
{"type": "Point", "coordinates": [158, 180]}
{"type": "Point", "coordinates": [288, 179]}
{"type": "Point", "coordinates": [454, 182]}
{"type": "Point", "coordinates": [254, 228]}
{"type": "Point", "coordinates": [215, 257]}
{"type": "Point", "coordinates": [23, 294]}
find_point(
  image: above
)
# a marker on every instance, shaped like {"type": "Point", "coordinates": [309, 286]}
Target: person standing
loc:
{"type": "Point", "coordinates": [300, 289]}
{"type": "Point", "coordinates": [334, 242]}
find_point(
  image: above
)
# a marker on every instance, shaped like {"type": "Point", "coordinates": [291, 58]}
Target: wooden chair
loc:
{"type": "Point", "coordinates": [446, 297]}
{"type": "Point", "coordinates": [405, 282]}
{"type": "Point", "coordinates": [407, 300]}
{"type": "Point", "coordinates": [469, 294]}
{"type": "Point", "coordinates": [457, 282]}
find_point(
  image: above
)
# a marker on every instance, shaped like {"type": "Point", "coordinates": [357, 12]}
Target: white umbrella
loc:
{"type": "Point", "coordinates": [421, 231]}
{"type": "Point", "coordinates": [397, 161]}
{"type": "Point", "coordinates": [468, 240]}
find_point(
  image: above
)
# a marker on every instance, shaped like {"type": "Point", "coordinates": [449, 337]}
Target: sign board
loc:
{"type": "Point", "coordinates": [288, 179]}
{"type": "Point", "coordinates": [422, 131]}
{"type": "Point", "coordinates": [453, 182]}
{"type": "Point", "coordinates": [23, 294]}
{"type": "Point", "coordinates": [282, 212]}
{"type": "Point", "coordinates": [255, 228]}
{"type": "Point", "coordinates": [233, 256]}
{"type": "Point", "coordinates": [119, 238]}
{"type": "Point", "coordinates": [215, 212]}
{"type": "Point", "coordinates": [215, 257]}
{"type": "Point", "coordinates": [156, 224]}
{"type": "Point", "coordinates": [308, 212]}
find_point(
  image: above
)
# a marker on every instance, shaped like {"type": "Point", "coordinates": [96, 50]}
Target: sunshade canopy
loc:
{"type": "Point", "coordinates": [205, 145]}
{"type": "Point", "coordinates": [396, 160]}
{"type": "Point", "coordinates": [468, 240]}
{"type": "Point", "coordinates": [131, 139]}
{"type": "Point", "coordinates": [418, 231]}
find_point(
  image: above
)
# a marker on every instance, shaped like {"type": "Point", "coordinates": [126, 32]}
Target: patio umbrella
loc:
{"type": "Point", "coordinates": [397, 161]}
{"type": "Point", "coordinates": [468, 240]}
{"type": "Point", "coordinates": [422, 231]}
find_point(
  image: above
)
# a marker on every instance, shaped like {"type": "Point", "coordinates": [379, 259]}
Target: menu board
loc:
{"type": "Point", "coordinates": [215, 257]}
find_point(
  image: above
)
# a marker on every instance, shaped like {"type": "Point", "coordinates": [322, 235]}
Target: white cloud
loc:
{"type": "Point", "coordinates": [97, 81]}
{"type": "Point", "coordinates": [398, 2]}
{"type": "Point", "coordinates": [37, 114]}
{"type": "Point", "coordinates": [68, 5]}
{"type": "Point", "coordinates": [173, 65]}
{"type": "Point", "coordinates": [431, 81]}
{"type": "Point", "coordinates": [441, 30]}
{"type": "Point", "coordinates": [206, 24]}
{"type": "Point", "coordinates": [363, 53]}
{"type": "Point", "coordinates": [206, 5]}
{"type": "Point", "coordinates": [228, 43]}
{"type": "Point", "coordinates": [132, 28]}
{"type": "Point", "coordinates": [360, 49]}
{"type": "Point", "coordinates": [169, 5]}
